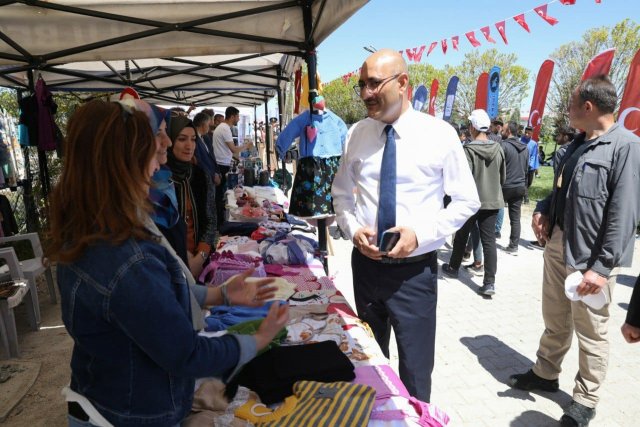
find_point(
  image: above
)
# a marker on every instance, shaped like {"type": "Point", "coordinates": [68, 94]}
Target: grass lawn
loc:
{"type": "Point", "coordinates": [542, 184]}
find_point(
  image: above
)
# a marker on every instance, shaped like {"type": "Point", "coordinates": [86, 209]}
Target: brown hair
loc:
{"type": "Point", "coordinates": [101, 194]}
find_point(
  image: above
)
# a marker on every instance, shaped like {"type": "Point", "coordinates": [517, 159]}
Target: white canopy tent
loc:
{"type": "Point", "coordinates": [202, 51]}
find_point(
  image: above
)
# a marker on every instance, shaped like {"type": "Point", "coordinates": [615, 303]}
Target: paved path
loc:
{"type": "Point", "coordinates": [480, 342]}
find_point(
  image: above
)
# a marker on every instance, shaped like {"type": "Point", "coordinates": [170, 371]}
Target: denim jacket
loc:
{"type": "Point", "coordinates": [136, 355]}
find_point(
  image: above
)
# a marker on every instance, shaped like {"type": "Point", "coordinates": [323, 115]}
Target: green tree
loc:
{"type": "Point", "coordinates": [342, 100]}
{"type": "Point", "coordinates": [514, 80]}
{"type": "Point", "coordinates": [423, 74]}
{"type": "Point", "coordinates": [572, 58]}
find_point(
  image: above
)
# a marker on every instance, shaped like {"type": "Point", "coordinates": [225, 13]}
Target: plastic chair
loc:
{"type": "Point", "coordinates": [8, 333]}
{"type": "Point", "coordinates": [32, 268]}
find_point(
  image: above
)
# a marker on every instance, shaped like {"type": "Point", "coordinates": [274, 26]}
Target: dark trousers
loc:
{"type": "Point", "coordinates": [530, 175]}
{"type": "Point", "coordinates": [403, 296]}
{"type": "Point", "coordinates": [487, 224]}
{"type": "Point", "coordinates": [220, 190]}
{"type": "Point", "coordinates": [513, 198]}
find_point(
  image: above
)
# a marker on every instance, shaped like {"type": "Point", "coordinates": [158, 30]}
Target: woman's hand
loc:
{"type": "Point", "coordinates": [196, 264]}
{"type": "Point", "coordinates": [276, 319]}
{"type": "Point", "coordinates": [252, 293]}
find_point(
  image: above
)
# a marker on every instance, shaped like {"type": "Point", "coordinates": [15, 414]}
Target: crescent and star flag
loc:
{"type": "Point", "coordinates": [501, 29]}
{"type": "Point", "coordinates": [432, 97]}
{"type": "Point", "coordinates": [482, 92]}
{"type": "Point", "coordinates": [486, 32]}
{"type": "Point", "coordinates": [599, 64]}
{"type": "Point", "coordinates": [415, 54]}
{"type": "Point", "coordinates": [443, 42]}
{"type": "Point", "coordinates": [523, 23]}
{"type": "Point", "coordinates": [454, 42]}
{"type": "Point", "coordinates": [629, 114]}
{"type": "Point", "coordinates": [420, 98]}
{"type": "Point", "coordinates": [542, 12]}
{"type": "Point", "coordinates": [494, 90]}
{"type": "Point", "coordinates": [431, 47]}
{"type": "Point", "coordinates": [472, 39]}
{"type": "Point", "coordinates": [450, 97]}
{"type": "Point", "coordinates": [540, 97]}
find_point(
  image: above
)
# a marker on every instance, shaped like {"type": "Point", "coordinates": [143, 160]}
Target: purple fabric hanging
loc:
{"type": "Point", "coordinates": [46, 109]}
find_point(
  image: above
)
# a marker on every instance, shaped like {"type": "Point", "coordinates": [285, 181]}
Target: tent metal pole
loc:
{"type": "Point", "coordinates": [311, 60]}
{"type": "Point", "coordinates": [268, 131]}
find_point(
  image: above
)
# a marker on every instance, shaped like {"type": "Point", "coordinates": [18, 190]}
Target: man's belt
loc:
{"type": "Point", "coordinates": [408, 260]}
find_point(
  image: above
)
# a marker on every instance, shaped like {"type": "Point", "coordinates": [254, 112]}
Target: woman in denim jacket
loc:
{"type": "Point", "coordinates": [124, 295]}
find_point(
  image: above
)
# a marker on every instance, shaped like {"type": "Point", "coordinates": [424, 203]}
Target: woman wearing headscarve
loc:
{"type": "Point", "coordinates": [195, 194]}
{"type": "Point", "coordinates": [124, 297]}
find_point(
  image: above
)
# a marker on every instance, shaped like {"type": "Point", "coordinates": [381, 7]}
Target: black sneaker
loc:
{"type": "Point", "coordinates": [530, 381]}
{"type": "Point", "coordinates": [487, 289]}
{"type": "Point", "coordinates": [577, 415]}
{"type": "Point", "coordinates": [449, 271]}
{"type": "Point", "coordinates": [474, 269]}
{"type": "Point", "coordinates": [466, 256]}
{"type": "Point", "coordinates": [511, 250]}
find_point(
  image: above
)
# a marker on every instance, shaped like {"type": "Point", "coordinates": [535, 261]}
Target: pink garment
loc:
{"type": "Point", "coordinates": [46, 110]}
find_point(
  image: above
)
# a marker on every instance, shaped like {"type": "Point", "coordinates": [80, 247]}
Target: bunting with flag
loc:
{"type": "Point", "coordinates": [540, 97]}
{"type": "Point", "coordinates": [450, 98]}
{"type": "Point", "coordinates": [486, 32]}
{"type": "Point", "coordinates": [500, 26]}
{"type": "Point", "coordinates": [629, 113]}
{"type": "Point", "coordinates": [599, 64]}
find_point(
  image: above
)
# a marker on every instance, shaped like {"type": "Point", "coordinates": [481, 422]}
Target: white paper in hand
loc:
{"type": "Point", "coordinates": [595, 301]}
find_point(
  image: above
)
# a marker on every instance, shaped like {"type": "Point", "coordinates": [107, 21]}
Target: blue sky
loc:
{"type": "Point", "coordinates": [401, 24]}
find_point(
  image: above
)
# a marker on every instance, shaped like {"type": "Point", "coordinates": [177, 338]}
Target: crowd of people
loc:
{"type": "Point", "coordinates": [129, 239]}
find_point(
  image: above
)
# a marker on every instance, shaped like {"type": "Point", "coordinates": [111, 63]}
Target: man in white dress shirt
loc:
{"type": "Point", "coordinates": [399, 288]}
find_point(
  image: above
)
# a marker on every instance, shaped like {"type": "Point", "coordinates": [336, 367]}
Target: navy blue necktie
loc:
{"type": "Point", "coordinates": [387, 197]}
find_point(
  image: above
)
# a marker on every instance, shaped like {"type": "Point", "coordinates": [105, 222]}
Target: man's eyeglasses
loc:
{"type": "Point", "coordinates": [372, 85]}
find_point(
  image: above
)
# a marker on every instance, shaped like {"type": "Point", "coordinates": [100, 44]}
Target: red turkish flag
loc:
{"type": "Point", "coordinates": [454, 42]}
{"type": "Point", "coordinates": [472, 39]}
{"type": "Point", "coordinates": [443, 42]}
{"type": "Point", "coordinates": [598, 1]}
{"type": "Point", "coordinates": [520, 20]}
{"type": "Point", "coordinates": [570, 2]}
{"type": "Point", "coordinates": [486, 32]}
{"type": "Point", "coordinates": [432, 97]}
{"type": "Point", "coordinates": [433, 46]}
{"type": "Point", "coordinates": [629, 114]}
{"type": "Point", "coordinates": [542, 12]}
{"type": "Point", "coordinates": [482, 92]}
{"type": "Point", "coordinates": [415, 54]}
{"type": "Point", "coordinates": [540, 97]}
{"type": "Point", "coordinates": [599, 64]}
{"type": "Point", "coordinates": [501, 29]}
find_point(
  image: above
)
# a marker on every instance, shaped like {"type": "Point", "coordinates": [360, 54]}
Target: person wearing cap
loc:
{"type": "Point", "coordinates": [588, 223]}
{"type": "Point", "coordinates": [534, 158]}
{"type": "Point", "coordinates": [399, 191]}
{"type": "Point", "coordinates": [486, 160]}
{"type": "Point", "coordinates": [495, 130]}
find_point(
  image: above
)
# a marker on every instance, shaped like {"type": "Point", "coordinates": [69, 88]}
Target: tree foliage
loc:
{"type": "Point", "coordinates": [572, 58]}
{"type": "Point", "coordinates": [514, 80]}
{"type": "Point", "coordinates": [342, 100]}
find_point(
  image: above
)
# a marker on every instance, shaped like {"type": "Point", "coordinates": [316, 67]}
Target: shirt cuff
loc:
{"type": "Point", "coordinates": [248, 350]}
{"type": "Point", "coordinates": [200, 293]}
{"type": "Point", "coordinates": [599, 268]}
{"type": "Point", "coordinates": [426, 232]}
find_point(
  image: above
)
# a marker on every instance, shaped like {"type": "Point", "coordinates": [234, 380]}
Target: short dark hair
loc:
{"type": "Point", "coordinates": [566, 130]}
{"type": "Point", "coordinates": [513, 128]}
{"type": "Point", "coordinates": [218, 115]}
{"type": "Point", "coordinates": [456, 127]}
{"type": "Point", "coordinates": [497, 122]}
{"type": "Point", "coordinates": [600, 92]}
{"type": "Point", "coordinates": [230, 112]}
{"type": "Point", "coordinates": [200, 119]}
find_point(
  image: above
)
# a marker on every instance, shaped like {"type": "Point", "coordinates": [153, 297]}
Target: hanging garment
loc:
{"type": "Point", "coordinates": [311, 192]}
{"type": "Point", "coordinates": [321, 135]}
{"type": "Point", "coordinates": [47, 129]}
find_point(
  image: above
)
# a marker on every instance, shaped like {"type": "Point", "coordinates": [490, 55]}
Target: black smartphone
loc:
{"type": "Point", "coordinates": [388, 241]}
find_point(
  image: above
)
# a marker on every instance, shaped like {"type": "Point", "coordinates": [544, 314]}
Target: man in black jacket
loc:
{"type": "Point", "coordinates": [517, 161]}
{"type": "Point", "coordinates": [631, 327]}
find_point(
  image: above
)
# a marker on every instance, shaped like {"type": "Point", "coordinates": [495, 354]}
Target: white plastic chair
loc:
{"type": "Point", "coordinates": [32, 268]}
{"type": "Point", "coordinates": [8, 333]}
